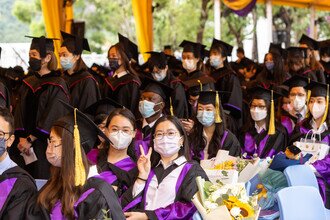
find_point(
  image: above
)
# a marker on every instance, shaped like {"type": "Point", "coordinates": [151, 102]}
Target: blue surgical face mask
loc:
{"type": "Point", "coordinates": [146, 108]}
{"type": "Point", "coordinates": [269, 65]}
{"type": "Point", "coordinates": [66, 63]}
{"type": "Point", "coordinates": [3, 148]}
{"type": "Point", "coordinates": [215, 61]}
{"type": "Point", "coordinates": [206, 118]}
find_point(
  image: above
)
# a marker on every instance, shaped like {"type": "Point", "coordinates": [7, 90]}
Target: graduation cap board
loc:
{"type": "Point", "coordinates": [324, 47]}
{"type": "Point", "coordinates": [151, 85]}
{"type": "Point", "coordinates": [196, 48]}
{"type": "Point", "coordinates": [195, 86]}
{"type": "Point", "coordinates": [157, 59]}
{"type": "Point", "coordinates": [104, 106]}
{"type": "Point", "coordinates": [74, 43]}
{"type": "Point", "coordinates": [42, 44]}
{"type": "Point", "coordinates": [276, 49]}
{"type": "Point", "coordinates": [310, 42]}
{"type": "Point", "coordinates": [130, 48]}
{"type": "Point", "coordinates": [211, 97]}
{"type": "Point", "coordinates": [226, 48]}
{"type": "Point", "coordinates": [296, 81]}
{"type": "Point", "coordinates": [297, 52]}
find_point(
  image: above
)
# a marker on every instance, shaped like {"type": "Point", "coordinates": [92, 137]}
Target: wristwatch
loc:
{"type": "Point", "coordinates": [29, 140]}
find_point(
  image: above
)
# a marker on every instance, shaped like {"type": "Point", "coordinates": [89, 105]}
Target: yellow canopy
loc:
{"type": "Point", "coordinates": [318, 4]}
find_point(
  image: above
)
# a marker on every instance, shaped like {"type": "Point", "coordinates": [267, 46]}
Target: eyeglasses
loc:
{"type": "Point", "coordinates": [170, 134]}
{"type": "Point", "coordinates": [115, 131]}
{"type": "Point", "coordinates": [51, 142]}
{"type": "Point", "coordinates": [3, 135]}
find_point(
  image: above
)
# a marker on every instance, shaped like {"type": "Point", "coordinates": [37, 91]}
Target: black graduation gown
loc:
{"type": "Point", "coordinates": [37, 109]}
{"type": "Point", "coordinates": [97, 196]}
{"type": "Point", "coordinates": [326, 67]}
{"type": "Point", "coordinates": [83, 88]}
{"type": "Point", "coordinates": [124, 90]}
{"type": "Point", "coordinates": [5, 98]}
{"type": "Point", "coordinates": [182, 208]}
{"type": "Point", "coordinates": [179, 100]}
{"type": "Point", "coordinates": [18, 187]}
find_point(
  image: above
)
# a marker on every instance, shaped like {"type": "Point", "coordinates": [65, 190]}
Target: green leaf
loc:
{"type": "Point", "coordinates": [225, 197]}
{"type": "Point", "coordinates": [224, 173]}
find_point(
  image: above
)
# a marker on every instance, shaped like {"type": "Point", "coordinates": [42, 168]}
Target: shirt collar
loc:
{"type": "Point", "coordinates": [303, 112]}
{"type": "Point", "coordinates": [178, 161]}
{"type": "Point", "coordinates": [120, 74]}
{"type": "Point", "coordinates": [6, 164]}
{"type": "Point", "coordinates": [259, 129]}
{"type": "Point", "coordinates": [145, 123]}
{"type": "Point", "coordinates": [321, 129]}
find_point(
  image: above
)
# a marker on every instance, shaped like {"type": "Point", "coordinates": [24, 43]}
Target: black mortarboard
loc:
{"type": "Point", "coordinates": [310, 42]}
{"type": "Point", "coordinates": [151, 85]}
{"type": "Point", "coordinates": [259, 92]}
{"type": "Point", "coordinates": [42, 44]}
{"type": "Point", "coordinates": [130, 48]}
{"type": "Point", "coordinates": [293, 149]}
{"type": "Point", "coordinates": [167, 47]}
{"type": "Point", "coordinates": [324, 47]}
{"type": "Point", "coordinates": [195, 86]}
{"type": "Point", "coordinates": [209, 97]}
{"type": "Point", "coordinates": [276, 48]}
{"type": "Point", "coordinates": [296, 81]}
{"type": "Point", "coordinates": [74, 43]}
{"type": "Point", "coordinates": [157, 59]}
{"type": "Point", "coordinates": [226, 48]}
{"type": "Point", "coordinates": [196, 48]}
{"type": "Point", "coordinates": [103, 106]}
{"type": "Point", "coordinates": [317, 89]}
{"type": "Point", "coordinates": [283, 90]}
{"type": "Point", "coordinates": [88, 130]}
{"type": "Point", "coordinates": [297, 52]}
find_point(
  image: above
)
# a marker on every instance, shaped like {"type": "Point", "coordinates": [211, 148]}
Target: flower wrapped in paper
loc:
{"type": "Point", "coordinates": [224, 201]}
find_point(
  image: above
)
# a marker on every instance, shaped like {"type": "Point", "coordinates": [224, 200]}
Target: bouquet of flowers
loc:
{"type": "Point", "coordinates": [224, 201]}
{"type": "Point", "coordinates": [231, 170]}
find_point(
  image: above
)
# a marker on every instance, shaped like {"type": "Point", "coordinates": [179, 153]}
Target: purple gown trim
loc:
{"type": "Point", "coordinates": [141, 141]}
{"type": "Point", "coordinates": [304, 130]}
{"type": "Point", "coordinates": [5, 188]}
{"type": "Point", "coordinates": [232, 106]}
{"type": "Point", "coordinates": [57, 214]}
{"type": "Point", "coordinates": [323, 168]}
{"type": "Point", "coordinates": [250, 146]}
{"type": "Point", "coordinates": [133, 203]}
{"type": "Point", "coordinates": [182, 175]}
{"type": "Point", "coordinates": [43, 131]}
{"type": "Point", "coordinates": [225, 134]}
{"type": "Point", "coordinates": [92, 156]}
{"type": "Point", "coordinates": [152, 173]}
{"type": "Point", "coordinates": [287, 123]}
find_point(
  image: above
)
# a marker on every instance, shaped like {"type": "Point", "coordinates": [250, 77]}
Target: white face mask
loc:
{"type": "Point", "coordinates": [299, 103]}
{"type": "Point", "coordinates": [54, 158]}
{"type": "Point", "coordinates": [326, 59]}
{"type": "Point", "coordinates": [167, 147]}
{"type": "Point", "coordinates": [189, 64]}
{"type": "Point", "coordinates": [159, 76]}
{"type": "Point", "coordinates": [120, 140]}
{"type": "Point", "coordinates": [317, 110]}
{"type": "Point", "coordinates": [258, 114]}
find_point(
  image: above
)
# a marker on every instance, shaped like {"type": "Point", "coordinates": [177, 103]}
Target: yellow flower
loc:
{"type": "Point", "coordinates": [246, 209]}
{"type": "Point", "coordinates": [227, 165]}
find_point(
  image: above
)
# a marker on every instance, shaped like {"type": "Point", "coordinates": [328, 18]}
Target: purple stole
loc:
{"type": "Point", "coordinates": [287, 123]}
{"type": "Point", "coordinates": [224, 136]}
{"type": "Point", "coordinates": [139, 140]}
{"type": "Point", "coordinates": [251, 147]}
{"type": "Point", "coordinates": [6, 187]}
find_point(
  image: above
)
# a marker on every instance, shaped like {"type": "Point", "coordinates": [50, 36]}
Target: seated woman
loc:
{"type": "Point", "coordinates": [318, 120]}
{"type": "Point", "coordinates": [116, 161]}
{"type": "Point", "coordinates": [209, 133]}
{"type": "Point", "coordinates": [259, 136]}
{"type": "Point", "coordinates": [67, 194]}
{"type": "Point", "coordinates": [167, 180]}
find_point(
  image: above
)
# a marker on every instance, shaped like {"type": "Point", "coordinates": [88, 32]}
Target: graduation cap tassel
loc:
{"type": "Point", "coordinates": [307, 99]}
{"type": "Point", "coordinates": [326, 106]}
{"type": "Point", "coordinates": [171, 107]}
{"type": "Point", "coordinates": [80, 174]}
{"type": "Point", "coordinates": [217, 109]}
{"type": "Point", "coordinates": [271, 129]}
{"type": "Point", "coordinates": [200, 84]}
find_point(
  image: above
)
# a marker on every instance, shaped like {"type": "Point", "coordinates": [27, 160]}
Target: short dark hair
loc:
{"type": "Point", "coordinates": [240, 50]}
{"type": "Point", "coordinates": [6, 114]}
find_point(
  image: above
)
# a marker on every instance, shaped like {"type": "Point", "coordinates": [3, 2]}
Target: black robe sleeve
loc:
{"type": "Point", "coordinates": [129, 96]}
{"type": "Point", "coordinates": [179, 101]}
{"type": "Point", "coordinates": [232, 145]}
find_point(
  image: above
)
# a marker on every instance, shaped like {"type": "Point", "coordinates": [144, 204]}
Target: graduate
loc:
{"type": "Point", "coordinates": [260, 136]}
{"type": "Point", "coordinates": [152, 103]}
{"type": "Point", "coordinates": [16, 185]}
{"type": "Point", "coordinates": [324, 48]}
{"type": "Point", "coordinates": [68, 194]}
{"type": "Point", "coordinates": [159, 69]}
{"type": "Point", "coordinates": [83, 87]}
{"type": "Point", "coordinates": [318, 118]}
{"type": "Point", "coordinates": [226, 80]}
{"type": "Point", "coordinates": [298, 97]}
{"type": "Point", "coordinates": [209, 133]}
{"type": "Point", "coordinates": [117, 160]}
{"type": "Point", "coordinates": [38, 105]}
{"type": "Point", "coordinates": [167, 179]}
{"type": "Point", "coordinates": [123, 86]}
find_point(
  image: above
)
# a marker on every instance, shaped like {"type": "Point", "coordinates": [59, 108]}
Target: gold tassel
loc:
{"type": "Point", "coordinates": [80, 173]}
{"type": "Point", "coordinates": [271, 129]}
{"type": "Point", "coordinates": [326, 106]}
{"type": "Point", "coordinates": [308, 98]}
{"type": "Point", "coordinates": [171, 107]}
{"type": "Point", "coordinates": [200, 85]}
{"type": "Point", "coordinates": [217, 109]}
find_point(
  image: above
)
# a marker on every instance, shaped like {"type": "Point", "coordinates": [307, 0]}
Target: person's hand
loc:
{"type": "Point", "coordinates": [136, 216]}
{"type": "Point", "coordinates": [250, 72]}
{"type": "Point", "coordinates": [143, 163]}
{"type": "Point", "coordinates": [24, 146]}
{"type": "Point", "coordinates": [188, 125]}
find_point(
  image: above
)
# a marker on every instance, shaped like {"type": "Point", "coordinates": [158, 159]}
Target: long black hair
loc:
{"type": "Point", "coordinates": [184, 150]}
{"type": "Point", "coordinates": [277, 76]}
{"type": "Point", "coordinates": [198, 141]}
{"type": "Point", "coordinates": [103, 154]}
